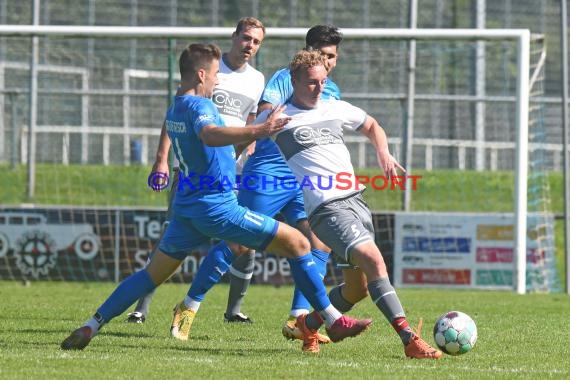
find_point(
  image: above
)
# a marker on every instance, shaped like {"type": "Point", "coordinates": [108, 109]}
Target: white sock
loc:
{"type": "Point", "coordinates": [94, 324]}
{"type": "Point", "coordinates": [192, 304]}
{"type": "Point", "coordinates": [330, 314]}
{"type": "Point", "coordinates": [296, 312]}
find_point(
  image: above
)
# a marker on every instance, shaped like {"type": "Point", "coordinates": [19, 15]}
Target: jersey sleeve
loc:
{"type": "Point", "coordinates": [262, 117]}
{"type": "Point", "coordinates": [278, 89]}
{"type": "Point", "coordinates": [206, 114]}
{"type": "Point", "coordinates": [354, 117]}
{"type": "Point", "coordinates": [331, 91]}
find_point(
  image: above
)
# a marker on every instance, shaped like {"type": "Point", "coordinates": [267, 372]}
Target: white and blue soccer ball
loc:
{"type": "Point", "coordinates": [455, 333]}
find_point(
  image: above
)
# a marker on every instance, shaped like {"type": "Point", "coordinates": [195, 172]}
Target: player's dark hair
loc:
{"type": "Point", "coordinates": [196, 57]}
{"type": "Point", "coordinates": [323, 35]}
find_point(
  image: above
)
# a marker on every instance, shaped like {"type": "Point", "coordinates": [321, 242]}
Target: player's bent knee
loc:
{"type": "Point", "coordinates": [161, 267]}
{"type": "Point", "coordinates": [289, 242]}
{"type": "Point", "coordinates": [239, 250]}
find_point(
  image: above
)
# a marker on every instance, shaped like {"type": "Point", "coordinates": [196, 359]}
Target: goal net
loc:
{"type": "Point", "coordinates": [83, 106]}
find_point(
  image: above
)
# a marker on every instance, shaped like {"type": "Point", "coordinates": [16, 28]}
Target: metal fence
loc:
{"type": "Point", "coordinates": [101, 101]}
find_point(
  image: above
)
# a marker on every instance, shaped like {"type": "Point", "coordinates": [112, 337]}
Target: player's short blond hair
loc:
{"type": "Point", "coordinates": [305, 59]}
{"type": "Point", "coordinates": [249, 22]}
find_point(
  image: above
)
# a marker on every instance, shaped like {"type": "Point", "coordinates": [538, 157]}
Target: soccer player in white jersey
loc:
{"type": "Point", "coordinates": [312, 143]}
{"type": "Point", "coordinates": [236, 96]}
{"type": "Point", "coordinates": [267, 162]}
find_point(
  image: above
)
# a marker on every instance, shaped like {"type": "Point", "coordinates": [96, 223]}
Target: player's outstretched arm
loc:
{"type": "Point", "coordinates": [248, 147]}
{"type": "Point", "coordinates": [262, 106]}
{"type": "Point", "coordinates": [377, 136]}
{"type": "Point", "coordinates": [212, 135]}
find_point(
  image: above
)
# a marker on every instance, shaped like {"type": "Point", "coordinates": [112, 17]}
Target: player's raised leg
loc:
{"type": "Point", "coordinates": [308, 279]}
{"type": "Point", "coordinates": [368, 257]}
{"type": "Point", "coordinates": [242, 225]}
{"type": "Point", "coordinates": [300, 305]}
{"type": "Point", "coordinates": [294, 212]}
{"type": "Point", "coordinates": [132, 288]}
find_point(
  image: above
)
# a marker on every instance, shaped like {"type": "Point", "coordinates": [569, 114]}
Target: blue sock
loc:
{"type": "Point", "coordinates": [309, 281]}
{"type": "Point", "coordinates": [128, 291]}
{"type": "Point", "coordinates": [299, 300]}
{"type": "Point", "coordinates": [215, 264]}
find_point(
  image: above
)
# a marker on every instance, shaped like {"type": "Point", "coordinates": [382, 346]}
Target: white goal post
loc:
{"type": "Point", "coordinates": [521, 36]}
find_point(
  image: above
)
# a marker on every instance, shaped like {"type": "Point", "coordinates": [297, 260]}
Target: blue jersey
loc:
{"type": "Point", "coordinates": [279, 89]}
{"type": "Point", "coordinates": [267, 160]}
{"type": "Point", "coordinates": [207, 174]}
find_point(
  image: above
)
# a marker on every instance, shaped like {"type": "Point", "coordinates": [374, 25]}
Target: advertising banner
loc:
{"type": "Point", "coordinates": [78, 244]}
{"type": "Point", "coordinates": [464, 250]}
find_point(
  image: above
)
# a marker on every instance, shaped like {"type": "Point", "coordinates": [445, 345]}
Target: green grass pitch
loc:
{"type": "Point", "coordinates": [520, 337]}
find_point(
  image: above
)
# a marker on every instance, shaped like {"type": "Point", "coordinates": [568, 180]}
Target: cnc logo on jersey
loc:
{"type": "Point", "coordinates": [298, 137]}
{"type": "Point", "coordinates": [230, 104]}
{"type": "Point", "coordinates": [306, 135]}
{"type": "Point", "coordinates": [35, 253]}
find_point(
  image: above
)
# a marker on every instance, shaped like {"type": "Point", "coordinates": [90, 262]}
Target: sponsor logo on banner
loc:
{"type": "Point", "coordinates": [410, 227]}
{"type": "Point", "coordinates": [100, 244]}
{"type": "Point", "coordinates": [494, 255]}
{"type": "Point", "coordinates": [35, 242]}
{"type": "Point", "coordinates": [437, 276]}
{"type": "Point", "coordinates": [413, 259]}
{"type": "Point", "coordinates": [506, 255]}
{"type": "Point", "coordinates": [495, 232]}
{"type": "Point", "coordinates": [436, 245]}
{"type": "Point", "coordinates": [444, 228]}
{"type": "Point", "coordinates": [36, 253]}
{"type": "Point", "coordinates": [535, 232]}
{"type": "Point", "coordinates": [494, 277]}
{"type": "Point", "coordinates": [535, 256]}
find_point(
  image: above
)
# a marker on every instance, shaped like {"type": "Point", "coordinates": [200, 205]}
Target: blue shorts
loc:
{"type": "Point", "coordinates": [229, 221]}
{"type": "Point", "coordinates": [287, 202]}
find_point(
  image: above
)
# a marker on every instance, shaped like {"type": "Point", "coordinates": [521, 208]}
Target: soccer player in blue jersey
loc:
{"type": "Point", "coordinates": [266, 163]}
{"type": "Point", "coordinates": [312, 143]}
{"type": "Point", "coordinates": [236, 96]}
{"type": "Point", "coordinates": [205, 206]}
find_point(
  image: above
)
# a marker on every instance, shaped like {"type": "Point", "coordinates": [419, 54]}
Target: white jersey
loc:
{"type": "Point", "coordinates": [312, 143]}
{"type": "Point", "coordinates": [237, 95]}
